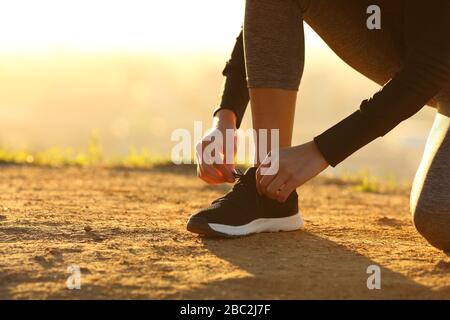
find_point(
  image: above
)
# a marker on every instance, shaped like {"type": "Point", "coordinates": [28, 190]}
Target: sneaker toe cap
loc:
{"type": "Point", "coordinates": [199, 224]}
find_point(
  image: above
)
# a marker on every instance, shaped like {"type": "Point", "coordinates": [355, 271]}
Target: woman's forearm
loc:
{"type": "Point", "coordinates": [401, 98]}
{"type": "Point", "coordinates": [235, 96]}
{"type": "Point", "coordinates": [425, 72]}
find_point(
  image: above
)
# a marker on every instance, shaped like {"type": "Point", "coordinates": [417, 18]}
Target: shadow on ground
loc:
{"type": "Point", "coordinates": [300, 265]}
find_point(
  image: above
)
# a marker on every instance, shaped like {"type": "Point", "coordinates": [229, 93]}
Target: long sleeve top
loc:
{"type": "Point", "coordinates": [425, 71]}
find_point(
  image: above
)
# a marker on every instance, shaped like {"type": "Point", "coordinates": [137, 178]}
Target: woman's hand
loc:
{"type": "Point", "coordinates": [296, 165]}
{"type": "Point", "coordinates": [207, 169]}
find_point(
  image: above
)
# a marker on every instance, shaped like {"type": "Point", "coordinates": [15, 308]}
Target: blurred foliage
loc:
{"type": "Point", "coordinates": [365, 181]}
{"type": "Point", "coordinates": [139, 159]}
{"type": "Point", "coordinates": [92, 156]}
{"type": "Point", "coordinates": [362, 181]}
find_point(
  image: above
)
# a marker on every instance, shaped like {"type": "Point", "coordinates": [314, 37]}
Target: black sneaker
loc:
{"type": "Point", "coordinates": [242, 211]}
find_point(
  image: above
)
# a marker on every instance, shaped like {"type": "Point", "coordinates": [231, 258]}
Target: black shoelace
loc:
{"type": "Point", "coordinates": [238, 174]}
{"type": "Point", "coordinates": [237, 193]}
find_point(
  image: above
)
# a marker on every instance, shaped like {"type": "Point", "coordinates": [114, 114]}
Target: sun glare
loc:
{"type": "Point", "coordinates": [118, 24]}
{"type": "Point", "coordinates": [92, 25]}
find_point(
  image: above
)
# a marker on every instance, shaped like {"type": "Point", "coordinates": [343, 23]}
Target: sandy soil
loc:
{"type": "Point", "coordinates": [126, 231]}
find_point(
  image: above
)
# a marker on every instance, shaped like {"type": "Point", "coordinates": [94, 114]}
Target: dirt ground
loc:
{"type": "Point", "coordinates": [126, 231]}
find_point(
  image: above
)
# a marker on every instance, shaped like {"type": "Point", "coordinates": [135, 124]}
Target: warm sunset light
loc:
{"type": "Point", "coordinates": [169, 150]}
{"type": "Point", "coordinates": [97, 25]}
{"type": "Point", "coordinates": [118, 24]}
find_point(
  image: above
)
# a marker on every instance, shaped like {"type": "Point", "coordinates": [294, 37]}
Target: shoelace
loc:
{"type": "Point", "coordinates": [234, 192]}
{"type": "Point", "coordinates": [238, 174]}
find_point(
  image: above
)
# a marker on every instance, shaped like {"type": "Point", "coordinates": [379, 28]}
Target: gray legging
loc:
{"type": "Point", "coordinates": [274, 52]}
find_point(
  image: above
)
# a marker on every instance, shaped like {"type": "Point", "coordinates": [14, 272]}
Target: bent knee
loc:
{"type": "Point", "coordinates": [433, 224]}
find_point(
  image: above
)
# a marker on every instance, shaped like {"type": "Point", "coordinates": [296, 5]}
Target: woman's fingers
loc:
{"type": "Point", "coordinates": [258, 178]}
{"type": "Point", "coordinates": [205, 168]}
{"type": "Point", "coordinates": [264, 183]}
{"type": "Point", "coordinates": [203, 177]}
{"type": "Point", "coordinates": [215, 164]}
{"type": "Point", "coordinates": [229, 151]}
{"type": "Point", "coordinates": [286, 190]}
{"type": "Point", "coordinates": [228, 165]}
{"type": "Point", "coordinates": [275, 186]}
{"type": "Point", "coordinates": [217, 172]}
{"type": "Point", "coordinates": [262, 180]}
{"type": "Point", "coordinates": [296, 165]}
{"type": "Point", "coordinates": [210, 175]}
{"type": "Point", "coordinates": [226, 172]}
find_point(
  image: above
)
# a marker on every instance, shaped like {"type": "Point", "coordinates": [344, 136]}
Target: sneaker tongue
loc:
{"type": "Point", "coordinates": [249, 179]}
{"type": "Point", "coordinates": [251, 171]}
{"type": "Point", "coordinates": [243, 189]}
{"type": "Point", "coordinates": [250, 176]}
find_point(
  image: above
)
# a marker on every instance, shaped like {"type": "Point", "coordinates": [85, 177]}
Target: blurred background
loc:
{"type": "Point", "coordinates": [135, 70]}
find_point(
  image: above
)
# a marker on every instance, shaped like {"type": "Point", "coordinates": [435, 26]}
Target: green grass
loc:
{"type": "Point", "coordinates": [138, 159]}
{"type": "Point", "coordinates": [362, 181]}
{"type": "Point", "coordinates": [92, 156]}
{"type": "Point", "coordinates": [365, 181]}
{"type": "Point", "coordinates": [367, 185]}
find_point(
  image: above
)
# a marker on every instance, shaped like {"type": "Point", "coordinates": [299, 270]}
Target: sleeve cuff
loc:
{"type": "Point", "coordinates": [346, 137]}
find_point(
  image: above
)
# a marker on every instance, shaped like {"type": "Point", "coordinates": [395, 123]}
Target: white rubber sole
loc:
{"type": "Point", "coordinates": [291, 223]}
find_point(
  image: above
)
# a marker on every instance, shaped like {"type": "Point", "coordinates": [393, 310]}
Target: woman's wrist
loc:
{"type": "Point", "coordinates": [225, 119]}
{"type": "Point", "coordinates": [323, 161]}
